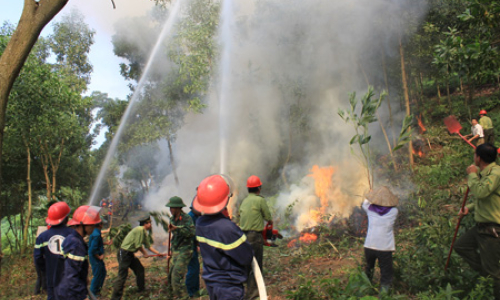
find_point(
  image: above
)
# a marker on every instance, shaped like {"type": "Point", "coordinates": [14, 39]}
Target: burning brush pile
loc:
{"type": "Point", "coordinates": [326, 206]}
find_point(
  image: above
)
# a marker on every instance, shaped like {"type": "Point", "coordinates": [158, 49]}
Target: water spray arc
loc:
{"type": "Point", "coordinates": [225, 38]}
{"type": "Point", "coordinates": [166, 30]}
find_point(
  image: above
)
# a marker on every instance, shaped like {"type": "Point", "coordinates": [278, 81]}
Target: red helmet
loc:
{"type": "Point", "coordinates": [482, 112]}
{"type": "Point", "coordinates": [212, 195]}
{"type": "Point", "coordinates": [85, 215]}
{"type": "Point", "coordinates": [57, 213]}
{"type": "Point", "coordinates": [253, 182]}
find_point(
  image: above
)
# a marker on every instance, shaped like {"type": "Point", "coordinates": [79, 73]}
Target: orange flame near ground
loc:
{"type": "Point", "coordinates": [419, 152]}
{"type": "Point", "coordinates": [305, 238]}
{"type": "Point", "coordinates": [421, 125]}
{"type": "Point", "coordinates": [322, 186]}
{"type": "Point", "coordinates": [308, 238]}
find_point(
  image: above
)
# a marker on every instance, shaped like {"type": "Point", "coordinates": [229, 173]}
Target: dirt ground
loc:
{"type": "Point", "coordinates": [283, 270]}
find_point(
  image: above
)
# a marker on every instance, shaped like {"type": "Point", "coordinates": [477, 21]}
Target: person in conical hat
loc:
{"type": "Point", "coordinates": [380, 206]}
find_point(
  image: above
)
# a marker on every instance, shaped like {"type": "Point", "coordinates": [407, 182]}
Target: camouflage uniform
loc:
{"type": "Point", "coordinates": [182, 251]}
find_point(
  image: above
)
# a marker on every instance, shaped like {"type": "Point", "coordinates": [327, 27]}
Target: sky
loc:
{"type": "Point", "coordinates": [101, 17]}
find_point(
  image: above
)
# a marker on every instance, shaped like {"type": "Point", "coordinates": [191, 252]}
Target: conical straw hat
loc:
{"type": "Point", "coordinates": [382, 196]}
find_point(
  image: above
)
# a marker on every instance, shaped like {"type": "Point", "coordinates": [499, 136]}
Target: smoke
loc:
{"type": "Point", "coordinates": [293, 64]}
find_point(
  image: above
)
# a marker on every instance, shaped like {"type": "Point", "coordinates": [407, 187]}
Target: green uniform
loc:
{"type": "Point", "coordinates": [480, 246]}
{"type": "Point", "coordinates": [489, 134]}
{"type": "Point", "coordinates": [126, 259]}
{"type": "Point", "coordinates": [135, 239]}
{"type": "Point", "coordinates": [182, 251]}
{"type": "Point", "coordinates": [253, 211]}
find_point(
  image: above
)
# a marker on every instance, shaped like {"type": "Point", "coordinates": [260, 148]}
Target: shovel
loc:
{"type": "Point", "coordinates": [454, 127]}
{"type": "Point", "coordinates": [456, 230]}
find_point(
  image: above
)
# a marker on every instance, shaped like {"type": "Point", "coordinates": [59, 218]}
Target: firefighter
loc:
{"type": "Point", "coordinates": [136, 240]}
{"type": "Point", "coordinates": [48, 245]}
{"type": "Point", "coordinates": [489, 131]}
{"type": "Point", "coordinates": [226, 254]}
{"type": "Point", "coordinates": [73, 283]}
{"type": "Point", "coordinates": [182, 228]}
{"type": "Point", "coordinates": [96, 259]}
{"type": "Point", "coordinates": [253, 211]}
{"type": "Point", "coordinates": [480, 246]}
{"type": "Point", "coordinates": [193, 272]}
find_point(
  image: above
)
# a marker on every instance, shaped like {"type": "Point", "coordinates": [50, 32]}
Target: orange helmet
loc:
{"type": "Point", "coordinates": [57, 213]}
{"type": "Point", "coordinates": [482, 112]}
{"type": "Point", "coordinates": [212, 195]}
{"type": "Point", "coordinates": [86, 215]}
{"type": "Point", "coordinates": [253, 182]}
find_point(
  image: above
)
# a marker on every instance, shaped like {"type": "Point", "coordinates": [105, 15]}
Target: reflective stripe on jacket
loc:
{"type": "Point", "coordinates": [227, 256]}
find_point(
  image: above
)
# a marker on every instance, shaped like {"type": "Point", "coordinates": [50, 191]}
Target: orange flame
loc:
{"type": "Point", "coordinates": [308, 238]}
{"type": "Point", "coordinates": [322, 186]}
{"type": "Point", "coordinates": [421, 125]}
{"type": "Point", "coordinates": [419, 152]}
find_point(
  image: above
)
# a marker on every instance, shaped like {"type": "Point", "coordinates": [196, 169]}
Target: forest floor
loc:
{"type": "Point", "coordinates": [284, 270]}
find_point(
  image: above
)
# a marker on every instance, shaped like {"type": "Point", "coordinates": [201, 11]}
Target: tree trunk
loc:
{"type": "Point", "coordinates": [28, 214]}
{"type": "Point", "coordinates": [35, 15]}
{"type": "Point", "coordinates": [448, 90]}
{"type": "Point", "coordinates": [406, 97]}
{"type": "Point", "coordinates": [45, 166]}
{"type": "Point", "coordinates": [172, 161]}
{"type": "Point", "coordinates": [391, 122]}
{"type": "Point", "coordinates": [289, 152]}
{"type": "Point", "coordinates": [439, 93]}
{"type": "Point", "coordinates": [55, 167]}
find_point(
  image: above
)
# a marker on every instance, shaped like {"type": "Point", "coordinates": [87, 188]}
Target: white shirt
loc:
{"type": "Point", "coordinates": [477, 130]}
{"type": "Point", "coordinates": [380, 234]}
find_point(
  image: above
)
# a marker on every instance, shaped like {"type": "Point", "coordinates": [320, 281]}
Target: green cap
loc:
{"type": "Point", "coordinates": [175, 202]}
{"type": "Point", "coordinates": [144, 217]}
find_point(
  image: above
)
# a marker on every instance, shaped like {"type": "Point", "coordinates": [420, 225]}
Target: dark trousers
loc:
{"type": "Point", "coordinates": [127, 260]}
{"type": "Point", "coordinates": [481, 250]}
{"type": "Point", "coordinates": [193, 275]}
{"type": "Point", "coordinates": [218, 292]}
{"type": "Point", "coordinates": [257, 242]}
{"type": "Point", "coordinates": [41, 281]}
{"type": "Point", "coordinates": [385, 263]}
{"type": "Point", "coordinates": [98, 275]}
{"type": "Point", "coordinates": [489, 136]}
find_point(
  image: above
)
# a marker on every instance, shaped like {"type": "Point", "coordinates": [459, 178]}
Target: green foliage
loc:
{"type": "Point", "coordinates": [118, 234]}
{"type": "Point", "coordinates": [405, 134]}
{"type": "Point", "coordinates": [369, 106]}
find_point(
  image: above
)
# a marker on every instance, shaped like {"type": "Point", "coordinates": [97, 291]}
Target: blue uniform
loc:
{"type": "Point", "coordinates": [226, 254]}
{"type": "Point", "coordinates": [47, 255]}
{"type": "Point", "coordinates": [193, 274]}
{"type": "Point", "coordinates": [73, 284]}
{"type": "Point", "coordinates": [96, 247]}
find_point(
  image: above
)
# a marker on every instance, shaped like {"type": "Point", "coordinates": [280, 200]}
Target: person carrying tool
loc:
{"type": "Point", "coordinates": [380, 206]}
{"type": "Point", "coordinates": [193, 271]}
{"type": "Point", "coordinates": [253, 211]}
{"type": "Point", "coordinates": [136, 240]}
{"type": "Point", "coordinates": [182, 227]}
{"type": "Point", "coordinates": [73, 282]}
{"type": "Point", "coordinates": [489, 131]}
{"type": "Point", "coordinates": [476, 133]}
{"type": "Point", "coordinates": [226, 254]}
{"type": "Point", "coordinates": [47, 251]}
{"type": "Point", "coordinates": [480, 246]}
{"type": "Point", "coordinates": [96, 259]}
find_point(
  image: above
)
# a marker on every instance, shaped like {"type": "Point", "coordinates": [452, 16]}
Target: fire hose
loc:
{"type": "Point", "coordinates": [259, 279]}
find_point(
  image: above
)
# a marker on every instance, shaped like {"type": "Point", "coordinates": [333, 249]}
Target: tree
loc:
{"type": "Point", "coordinates": [35, 15]}
{"type": "Point", "coordinates": [71, 42]}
